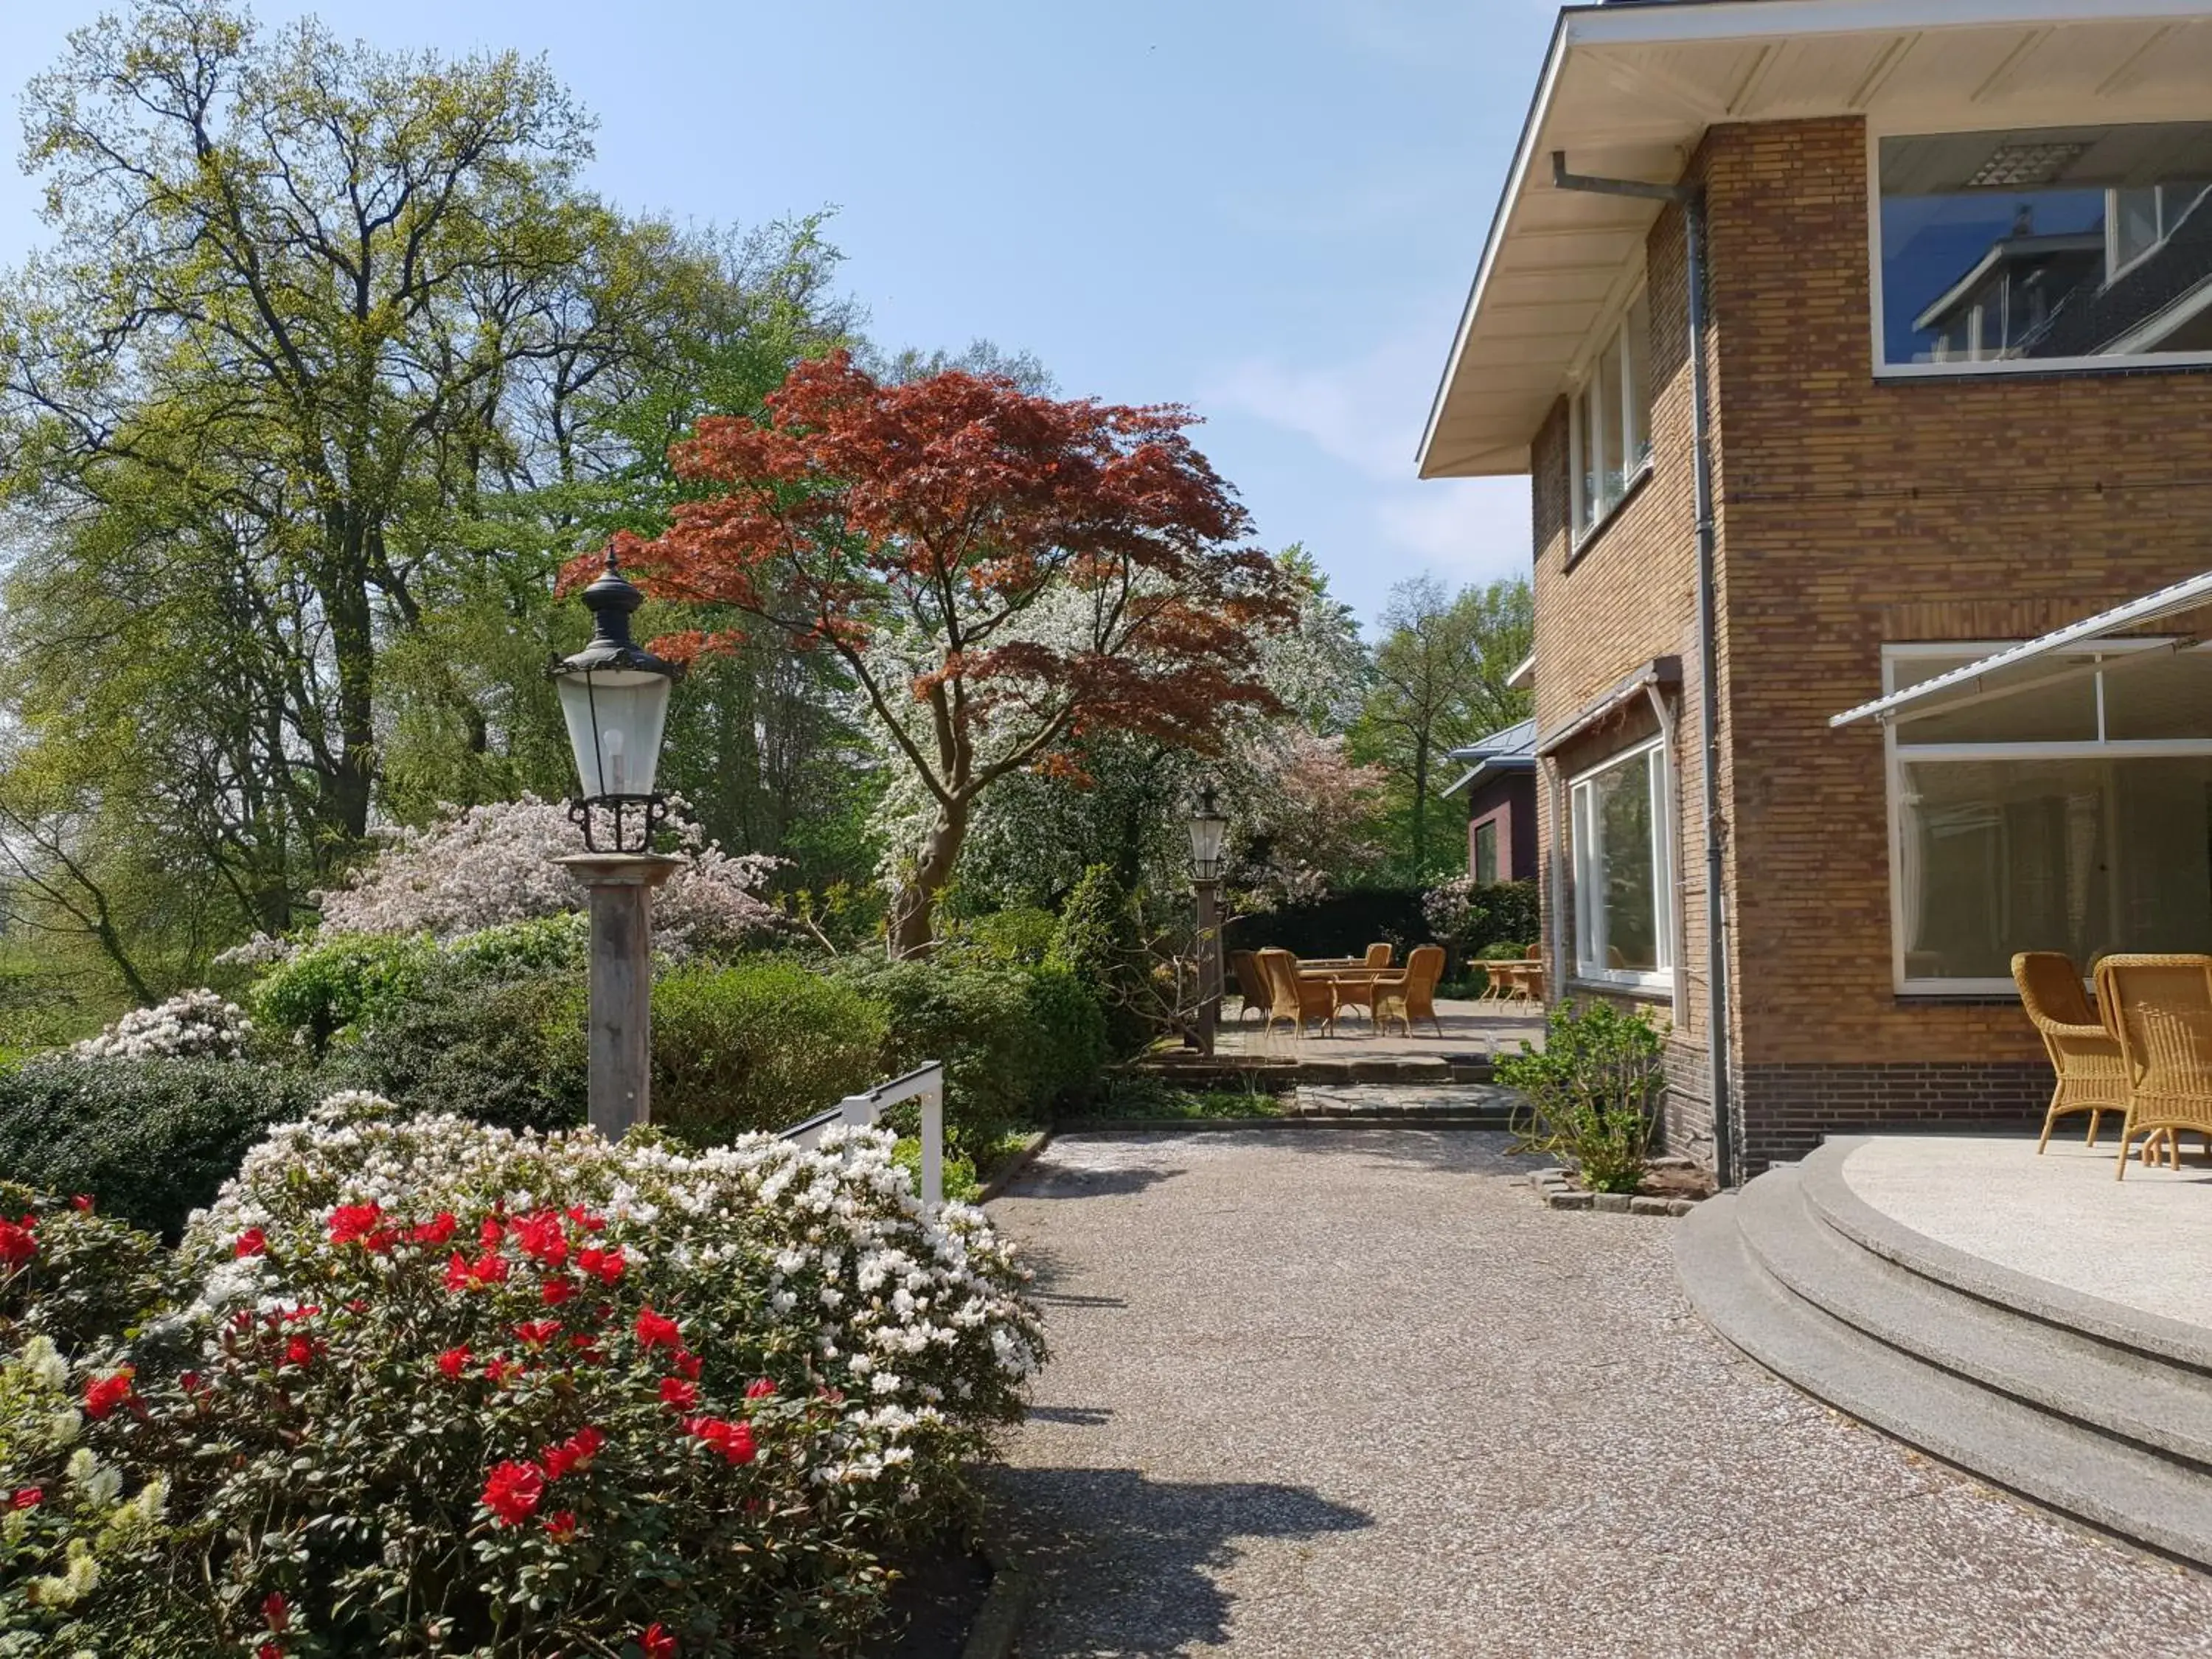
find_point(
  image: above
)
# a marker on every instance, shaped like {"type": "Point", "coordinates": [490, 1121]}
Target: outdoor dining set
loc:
{"type": "Point", "coordinates": [1294, 989]}
{"type": "Point", "coordinates": [2143, 1049]}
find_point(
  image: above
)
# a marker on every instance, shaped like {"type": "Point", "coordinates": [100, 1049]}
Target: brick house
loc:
{"type": "Point", "coordinates": [1500, 787]}
{"type": "Point", "coordinates": [1956, 342]}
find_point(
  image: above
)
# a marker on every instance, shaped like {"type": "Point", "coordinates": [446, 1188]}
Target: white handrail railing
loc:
{"type": "Point", "coordinates": [925, 1082]}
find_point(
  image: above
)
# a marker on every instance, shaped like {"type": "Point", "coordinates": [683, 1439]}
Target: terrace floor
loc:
{"type": "Point", "coordinates": [1472, 1030]}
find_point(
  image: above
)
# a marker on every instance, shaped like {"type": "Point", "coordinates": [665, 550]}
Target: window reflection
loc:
{"type": "Point", "coordinates": [2050, 246]}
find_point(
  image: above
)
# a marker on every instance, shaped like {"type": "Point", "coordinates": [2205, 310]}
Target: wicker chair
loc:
{"type": "Point", "coordinates": [1252, 993]}
{"type": "Point", "coordinates": [1414, 984]}
{"type": "Point", "coordinates": [1378, 956]}
{"type": "Point", "coordinates": [2160, 1008]}
{"type": "Point", "coordinates": [1294, 997]}
{"type": "Point", "coordinates": [2092, 1077]}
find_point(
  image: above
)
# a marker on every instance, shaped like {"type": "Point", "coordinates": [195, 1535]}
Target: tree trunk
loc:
{"type": "Point", "coordinates": [915, 905]}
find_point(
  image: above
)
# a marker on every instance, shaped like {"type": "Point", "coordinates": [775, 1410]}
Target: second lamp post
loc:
{"type": "Point", "coordinates": [614, 696]}
{"type": "Point", "coordinates": [1209, 834]}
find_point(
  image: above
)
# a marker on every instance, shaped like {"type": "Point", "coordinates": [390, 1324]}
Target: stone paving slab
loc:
{"type": "Point", "coordinates": [1324, 1395]}
{"type": "Point", "coordinates": [2145, 1241]}
{"type": "Point", "coordinates": [1414, 1101]}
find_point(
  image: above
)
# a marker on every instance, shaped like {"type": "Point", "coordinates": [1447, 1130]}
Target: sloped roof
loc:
{"type": "Point", "coordinates": [1512, 750]}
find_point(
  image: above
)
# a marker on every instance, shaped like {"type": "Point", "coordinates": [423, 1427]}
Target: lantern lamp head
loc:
{"type": "Point", "coordinates": [1209, 837]}
{"type": "Point", "coordinates": [614, 696]}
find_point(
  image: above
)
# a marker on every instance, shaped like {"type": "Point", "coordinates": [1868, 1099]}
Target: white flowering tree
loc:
{"type": "Point", "coordinates": [484, 866]}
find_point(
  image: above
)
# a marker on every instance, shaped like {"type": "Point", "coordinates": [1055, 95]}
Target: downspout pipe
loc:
{"type": "Point", "coordinates": [1691, 198]}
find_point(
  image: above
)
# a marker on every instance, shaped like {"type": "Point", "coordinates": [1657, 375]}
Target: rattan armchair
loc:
{"type": "Point", "coordinates": [1252, 993]}
{"type": "Point", "coordinates": [2093, 1077]}
{"type": "Point", "coordinates": [1378, 956]}
{"type": "Point", "coordinates": [1413, 985]}
{"type": "Point", "coordinates": [1294, 996]}
{"type": "Point", "coordinates": [2160, 1008]}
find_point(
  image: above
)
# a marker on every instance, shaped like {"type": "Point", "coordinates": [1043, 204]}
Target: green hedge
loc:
{"type": "Point", "coordinates": [509, 1051]}
{"type": "Point", "coordinates": [339, 982]}
{"type": "Point", "coordinates": [149, 1140]}
{"type": "Point", "coordinates": [1016, 1042]}
{"type": "Point", "coordinates": [759, 1046]}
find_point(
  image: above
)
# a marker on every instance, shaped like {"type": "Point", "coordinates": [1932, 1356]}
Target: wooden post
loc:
{"type": "Point", "coordinates": [1209, 965]}
{"type": "Point", "coordinates": [621, 886]}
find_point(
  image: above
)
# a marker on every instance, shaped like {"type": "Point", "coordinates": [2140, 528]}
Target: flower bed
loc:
{"type": "Point", "coordinates": [425, 1386]}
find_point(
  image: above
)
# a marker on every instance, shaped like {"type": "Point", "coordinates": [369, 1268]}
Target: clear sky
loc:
{"type": "Point", "coordinates": [1267, 210]}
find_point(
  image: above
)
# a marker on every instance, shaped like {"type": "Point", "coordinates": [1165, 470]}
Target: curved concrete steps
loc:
{"type": "Point", "coordinates": [2094, 1409]}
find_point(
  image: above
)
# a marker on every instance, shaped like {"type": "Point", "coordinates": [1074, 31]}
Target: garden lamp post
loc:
{"type": "Point", "coordinates": [614, 696]}
{"type": "Point", "coordinates": [1209, 834]}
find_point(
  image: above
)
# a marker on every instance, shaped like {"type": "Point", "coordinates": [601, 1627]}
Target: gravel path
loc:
{"type": "Point", "coordinates": [1353, 1392]}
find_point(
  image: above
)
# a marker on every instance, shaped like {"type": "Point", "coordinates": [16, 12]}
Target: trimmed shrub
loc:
{"type": "Point", "coordinates": [1593, 1092]}
{"type": "Point", "coordinates": [340, 982]}
{"type": "Point", "coordinates": [1016, 1043]}
{"type": "Point", "coordinates": [1505, 950]}
{"type": "Point", "coordinates": [1097, 942]}
{"type": "Point", "coordinates": [509, 1051]}
{"type": "Point", "coordinates": [1019, 938]}
{"type": "Point", "coordinates": [1342, 924]}
{"type": "Point", "coordinates": [758, 1046]}
{"type": "Point", "coordinates": [149, 1140]}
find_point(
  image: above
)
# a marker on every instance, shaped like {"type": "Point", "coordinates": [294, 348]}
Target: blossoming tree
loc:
{"type": "Point", "coordinates": [999, 572]}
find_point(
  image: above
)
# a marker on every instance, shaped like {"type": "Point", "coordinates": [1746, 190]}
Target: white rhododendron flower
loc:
{"type": "Point", "coordinates": [191, 1026]}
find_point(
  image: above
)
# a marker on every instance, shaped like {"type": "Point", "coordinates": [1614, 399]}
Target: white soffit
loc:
{"type": "Point", "coordinates": [1628, 90]}
{"type": "Point", "coordinates": [2019, 667]}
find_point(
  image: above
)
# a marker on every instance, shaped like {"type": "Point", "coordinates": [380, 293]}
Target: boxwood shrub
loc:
{"type": "Point", "coordinates": [148, 1140]}
{"type": "Point", "coordinates": [760, 1045]}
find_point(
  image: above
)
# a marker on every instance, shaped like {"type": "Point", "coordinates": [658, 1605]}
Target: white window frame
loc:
{"type": "Point", "coordinates": [2115, 267]}
{"type": "Point", "coordinates": [1956, 369]}
{"type": "Point", "coordinates": [1896, 756]}
{"type": "Point", "coordinates": [1589, 939]}
{"type": "Point", "coordinates": [1586, 518]}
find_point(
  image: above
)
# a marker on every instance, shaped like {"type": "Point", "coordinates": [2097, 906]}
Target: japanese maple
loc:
{"type": "Point", "coordinates": [999, 572]}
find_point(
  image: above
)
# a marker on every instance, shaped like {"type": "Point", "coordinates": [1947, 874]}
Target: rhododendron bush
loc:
{"type": "Point", "coordinates": [191, 1026]}
{"type": "Point", "coordinates": [433, 1386]}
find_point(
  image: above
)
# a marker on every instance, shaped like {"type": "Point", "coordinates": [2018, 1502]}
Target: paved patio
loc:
{"type": "Point", "coordinates": [1340, 1394]}
{"type": "Point", "coordinates": [2145, 1243]}
{"type": "Point", "coordinates": [1477, 1030]}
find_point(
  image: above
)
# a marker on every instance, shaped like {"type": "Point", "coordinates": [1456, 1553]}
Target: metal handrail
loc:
{"type": "Point", "coordinates": [925, 1083]}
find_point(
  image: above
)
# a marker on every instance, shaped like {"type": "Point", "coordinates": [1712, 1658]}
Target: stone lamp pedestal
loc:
{"type": "Point", "coordinates": [621, 886]}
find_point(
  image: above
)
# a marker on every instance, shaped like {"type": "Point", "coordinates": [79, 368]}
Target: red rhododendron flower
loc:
{"type": "Point", "coordinates": [538, 1331]}
{"type": "Point", "coordinates": [605, 1266]}
{"type": "Point", "coordinates": [268, 1650]}
{"type": "Point", "coordinates": [354, 1223]}
{"type": "Point", "coordinates": [576, 1452]}
{"type": "Point", "coordinates": [462, 1274]}
{"type": "Point", "coordinates": [299, 1351]}
{"type": "Point", "coordinates": [189, 1382]}
{"type": "Point", "coordinates": [685, 1362]}
{"type": "Point", "coordinates": [759, 1388]}
{"type": "Point", "coordinates": [657, 1642]}
{"type": "Point", "coordinates": [554, 1291]}
{"type": "Point", "coordinates": [17, 1246]}
{"type": "Point", "coordinates": [276, 1613]}
{"type": "Point", "coordinates": [561, 1526]}
{"type": "Point", "coordinates": [437, 1229]}
{"type": "Point", "coordinates": [733, 1440]}
{"type": "Point", "coordinates": [584, 1218]}
{"type": "Point", "coordinates": [82, 1203]}
{"type": "Point", "coordinates": [493, 1230]}
{"type": "Point", "coordinates": [104, 1393]}
{"type": "Point", "coordinates": [27, 1498]}
{"type": "Point", "coordinates": [252, 1242]}
{"type": "Point", "coordinates": [658, 1330]}
{"type": "Point", "coordinates": [499, 1369]}
{"type": "Point", "coordinates": [454, 1361]}
{"type": "Point", "coordinates": [514, 1492]}
{"type": "Point", "coordinates": [675, 1391]}
{"type": "Point", "coordinates": [543, 1238]}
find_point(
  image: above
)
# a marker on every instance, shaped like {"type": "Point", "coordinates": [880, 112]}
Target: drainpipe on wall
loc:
{"type": "Point", "coordinates": [1691, 198]}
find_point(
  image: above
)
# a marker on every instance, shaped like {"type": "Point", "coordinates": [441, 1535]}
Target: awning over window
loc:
{"type": "Point", "coordinates": [2018, 667]}
{"type": "Point", "coordinates": [1663, 672]}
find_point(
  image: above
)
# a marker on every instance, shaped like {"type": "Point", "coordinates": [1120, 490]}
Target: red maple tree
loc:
{"type": "Point", "coordinates": [1000, 572]}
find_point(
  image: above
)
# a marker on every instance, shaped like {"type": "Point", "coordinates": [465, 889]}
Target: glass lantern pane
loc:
{"type": "Point", "coordinates": [616, 718]}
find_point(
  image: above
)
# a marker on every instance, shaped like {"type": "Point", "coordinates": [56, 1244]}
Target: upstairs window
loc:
{"type": "Point", "coordinates": [1609, 424]}
{"type": "Point", "coordinates": [2044, 248]}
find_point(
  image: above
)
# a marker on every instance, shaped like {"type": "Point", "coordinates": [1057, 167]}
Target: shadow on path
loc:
{"type": "Point", "coordinates": [1127, 1564]}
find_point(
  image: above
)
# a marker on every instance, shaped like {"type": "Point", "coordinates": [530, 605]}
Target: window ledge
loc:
{"type": "Point", "coordinates": [2051, 369]}
{"type": "Point", "coordinates": [1639, 990]}
{"type": "Point", "coordinates": [1581, 544]}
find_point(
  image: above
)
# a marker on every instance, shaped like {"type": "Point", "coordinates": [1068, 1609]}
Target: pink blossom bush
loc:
{"type": "Point", "coordinates": [434, 1388]}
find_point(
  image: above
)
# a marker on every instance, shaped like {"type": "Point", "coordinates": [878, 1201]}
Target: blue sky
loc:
{"type": "Point", "coordinates": [1268, 210]}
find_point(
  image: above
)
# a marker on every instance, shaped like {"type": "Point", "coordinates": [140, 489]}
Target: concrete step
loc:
{"type": "Point", "coordinates": [2118, 1391]}
{"type": "Point", "coordinates": [1446, 1105]}
{"type": "Point", "coordinates": [2114, 1483]}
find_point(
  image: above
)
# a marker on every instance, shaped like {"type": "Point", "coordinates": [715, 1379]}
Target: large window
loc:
{"type": "Point", "coordinates": [1485, 852]}
{"type": "Point", "coordinates": [1623, 901]}
{"type": "Point", "coordinates": [1609, 426]}
{"type": "Point", "coordinates": [2045, 248]}
{"type": "Point", "coordinates": [2075, 815]}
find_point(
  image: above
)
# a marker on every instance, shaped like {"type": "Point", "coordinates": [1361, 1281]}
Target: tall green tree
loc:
{"type": "Point", "coordinates": [1438, 682]}
{"type": "Point", "coordinates": [329, 363]}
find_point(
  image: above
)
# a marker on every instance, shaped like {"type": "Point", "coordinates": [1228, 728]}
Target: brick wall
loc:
{"type": "Point", "coordinates": [1851, 512]}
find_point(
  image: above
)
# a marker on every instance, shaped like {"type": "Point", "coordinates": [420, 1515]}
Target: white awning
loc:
{"type": "Point", "coordinates": [2020, 666]}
